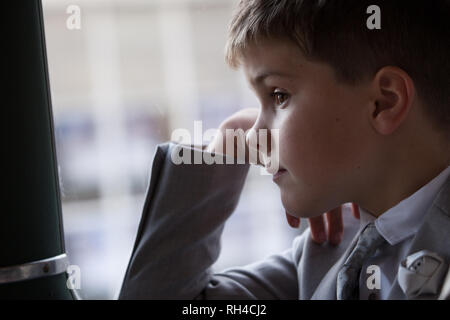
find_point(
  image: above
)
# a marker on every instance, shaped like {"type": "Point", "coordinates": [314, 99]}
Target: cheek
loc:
{"type": "Point", "coordinates": [314, 172]}
{"type": "Point", "coordinates": [317, 144]}
{"type": "Point", "coordinates": [321, 143]}
{"type": "Point", "coordinates": [305, 138]}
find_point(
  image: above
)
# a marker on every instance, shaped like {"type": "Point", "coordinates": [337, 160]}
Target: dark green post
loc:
{"type": "Point", "coordinates": [30, 214]}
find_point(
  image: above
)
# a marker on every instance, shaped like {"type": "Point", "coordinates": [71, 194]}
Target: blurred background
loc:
{"type": "Point", "coordinates": [133, 72]}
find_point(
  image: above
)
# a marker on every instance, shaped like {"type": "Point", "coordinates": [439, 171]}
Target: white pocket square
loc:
{"type": "Point", "coordinates": [422, 273]}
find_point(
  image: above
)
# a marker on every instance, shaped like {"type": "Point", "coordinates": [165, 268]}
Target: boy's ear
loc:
{"type": "Point", "coordinates": [394, 95]}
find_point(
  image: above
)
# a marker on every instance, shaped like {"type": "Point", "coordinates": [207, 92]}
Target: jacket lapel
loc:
{"type": "Point", "coordinates": [326, 290]}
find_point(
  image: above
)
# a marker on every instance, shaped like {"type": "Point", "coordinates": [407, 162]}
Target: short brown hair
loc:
{"type": "Point", "coordinates": [414, 36]}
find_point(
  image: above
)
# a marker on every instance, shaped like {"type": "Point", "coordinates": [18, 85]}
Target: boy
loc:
{"type": "Point", "coordinates": [363, 117]}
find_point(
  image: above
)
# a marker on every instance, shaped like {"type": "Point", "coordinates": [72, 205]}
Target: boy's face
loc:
{"type": "Point", "coordinates": [323, 126]}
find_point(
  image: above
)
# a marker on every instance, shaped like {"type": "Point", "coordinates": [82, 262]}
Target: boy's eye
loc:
{"type": "Point", "coordinates": [279, 97]}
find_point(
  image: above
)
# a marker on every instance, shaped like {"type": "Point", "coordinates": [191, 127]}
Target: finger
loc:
{"type": "Point", "coordinates": [294, 222]}
{"type": "Point", "coordinates": [317, 225]}
{"type": "Point", "coordinates": [252, 153]}
{"type": "Point", "coordinates": [355, 210]}
{"type": "Point", "coordinates": [335, 225]}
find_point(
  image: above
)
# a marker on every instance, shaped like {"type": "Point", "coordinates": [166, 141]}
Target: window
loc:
{"type": "Point", "coordinates": [131, 74]}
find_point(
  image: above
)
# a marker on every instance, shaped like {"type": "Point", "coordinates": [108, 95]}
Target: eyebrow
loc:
{"type": "Point", "coordinates": [262, 76]}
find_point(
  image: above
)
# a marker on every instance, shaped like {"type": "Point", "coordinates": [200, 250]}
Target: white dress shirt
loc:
{"type": "Point", "coordinates": [398, 226]}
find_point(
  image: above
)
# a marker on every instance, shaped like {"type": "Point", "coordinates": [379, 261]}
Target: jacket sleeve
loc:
{"type": "Point", "coordinates": [178, 238]}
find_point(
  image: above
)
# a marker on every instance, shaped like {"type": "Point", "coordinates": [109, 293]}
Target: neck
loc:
{"type": "Point", "coordinates": [405, 168]}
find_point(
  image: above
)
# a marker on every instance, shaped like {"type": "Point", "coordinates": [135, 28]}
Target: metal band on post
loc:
{"type": "Point", "coordinates": [35, 269]}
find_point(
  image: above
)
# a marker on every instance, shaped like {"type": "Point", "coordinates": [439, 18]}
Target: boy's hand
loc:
{"type": "Point", "coordinates": [245, 119]}
{"type": "Point", "coordinates": [335, 225]}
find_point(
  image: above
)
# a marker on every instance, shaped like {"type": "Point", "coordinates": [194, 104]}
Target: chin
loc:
{"type": "Point", "coordinates": [301, 208]}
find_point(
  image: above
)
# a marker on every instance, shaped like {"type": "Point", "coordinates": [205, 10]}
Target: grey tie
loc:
{"type": "Point", "coordinates": [348, 276]}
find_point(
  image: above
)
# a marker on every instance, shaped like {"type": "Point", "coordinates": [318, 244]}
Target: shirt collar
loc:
{"type": "Point", "coordinates": [404, 219]}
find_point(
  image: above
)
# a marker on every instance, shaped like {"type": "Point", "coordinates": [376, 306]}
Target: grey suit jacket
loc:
{"type": "Point", "coordinates": [178, 240]}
